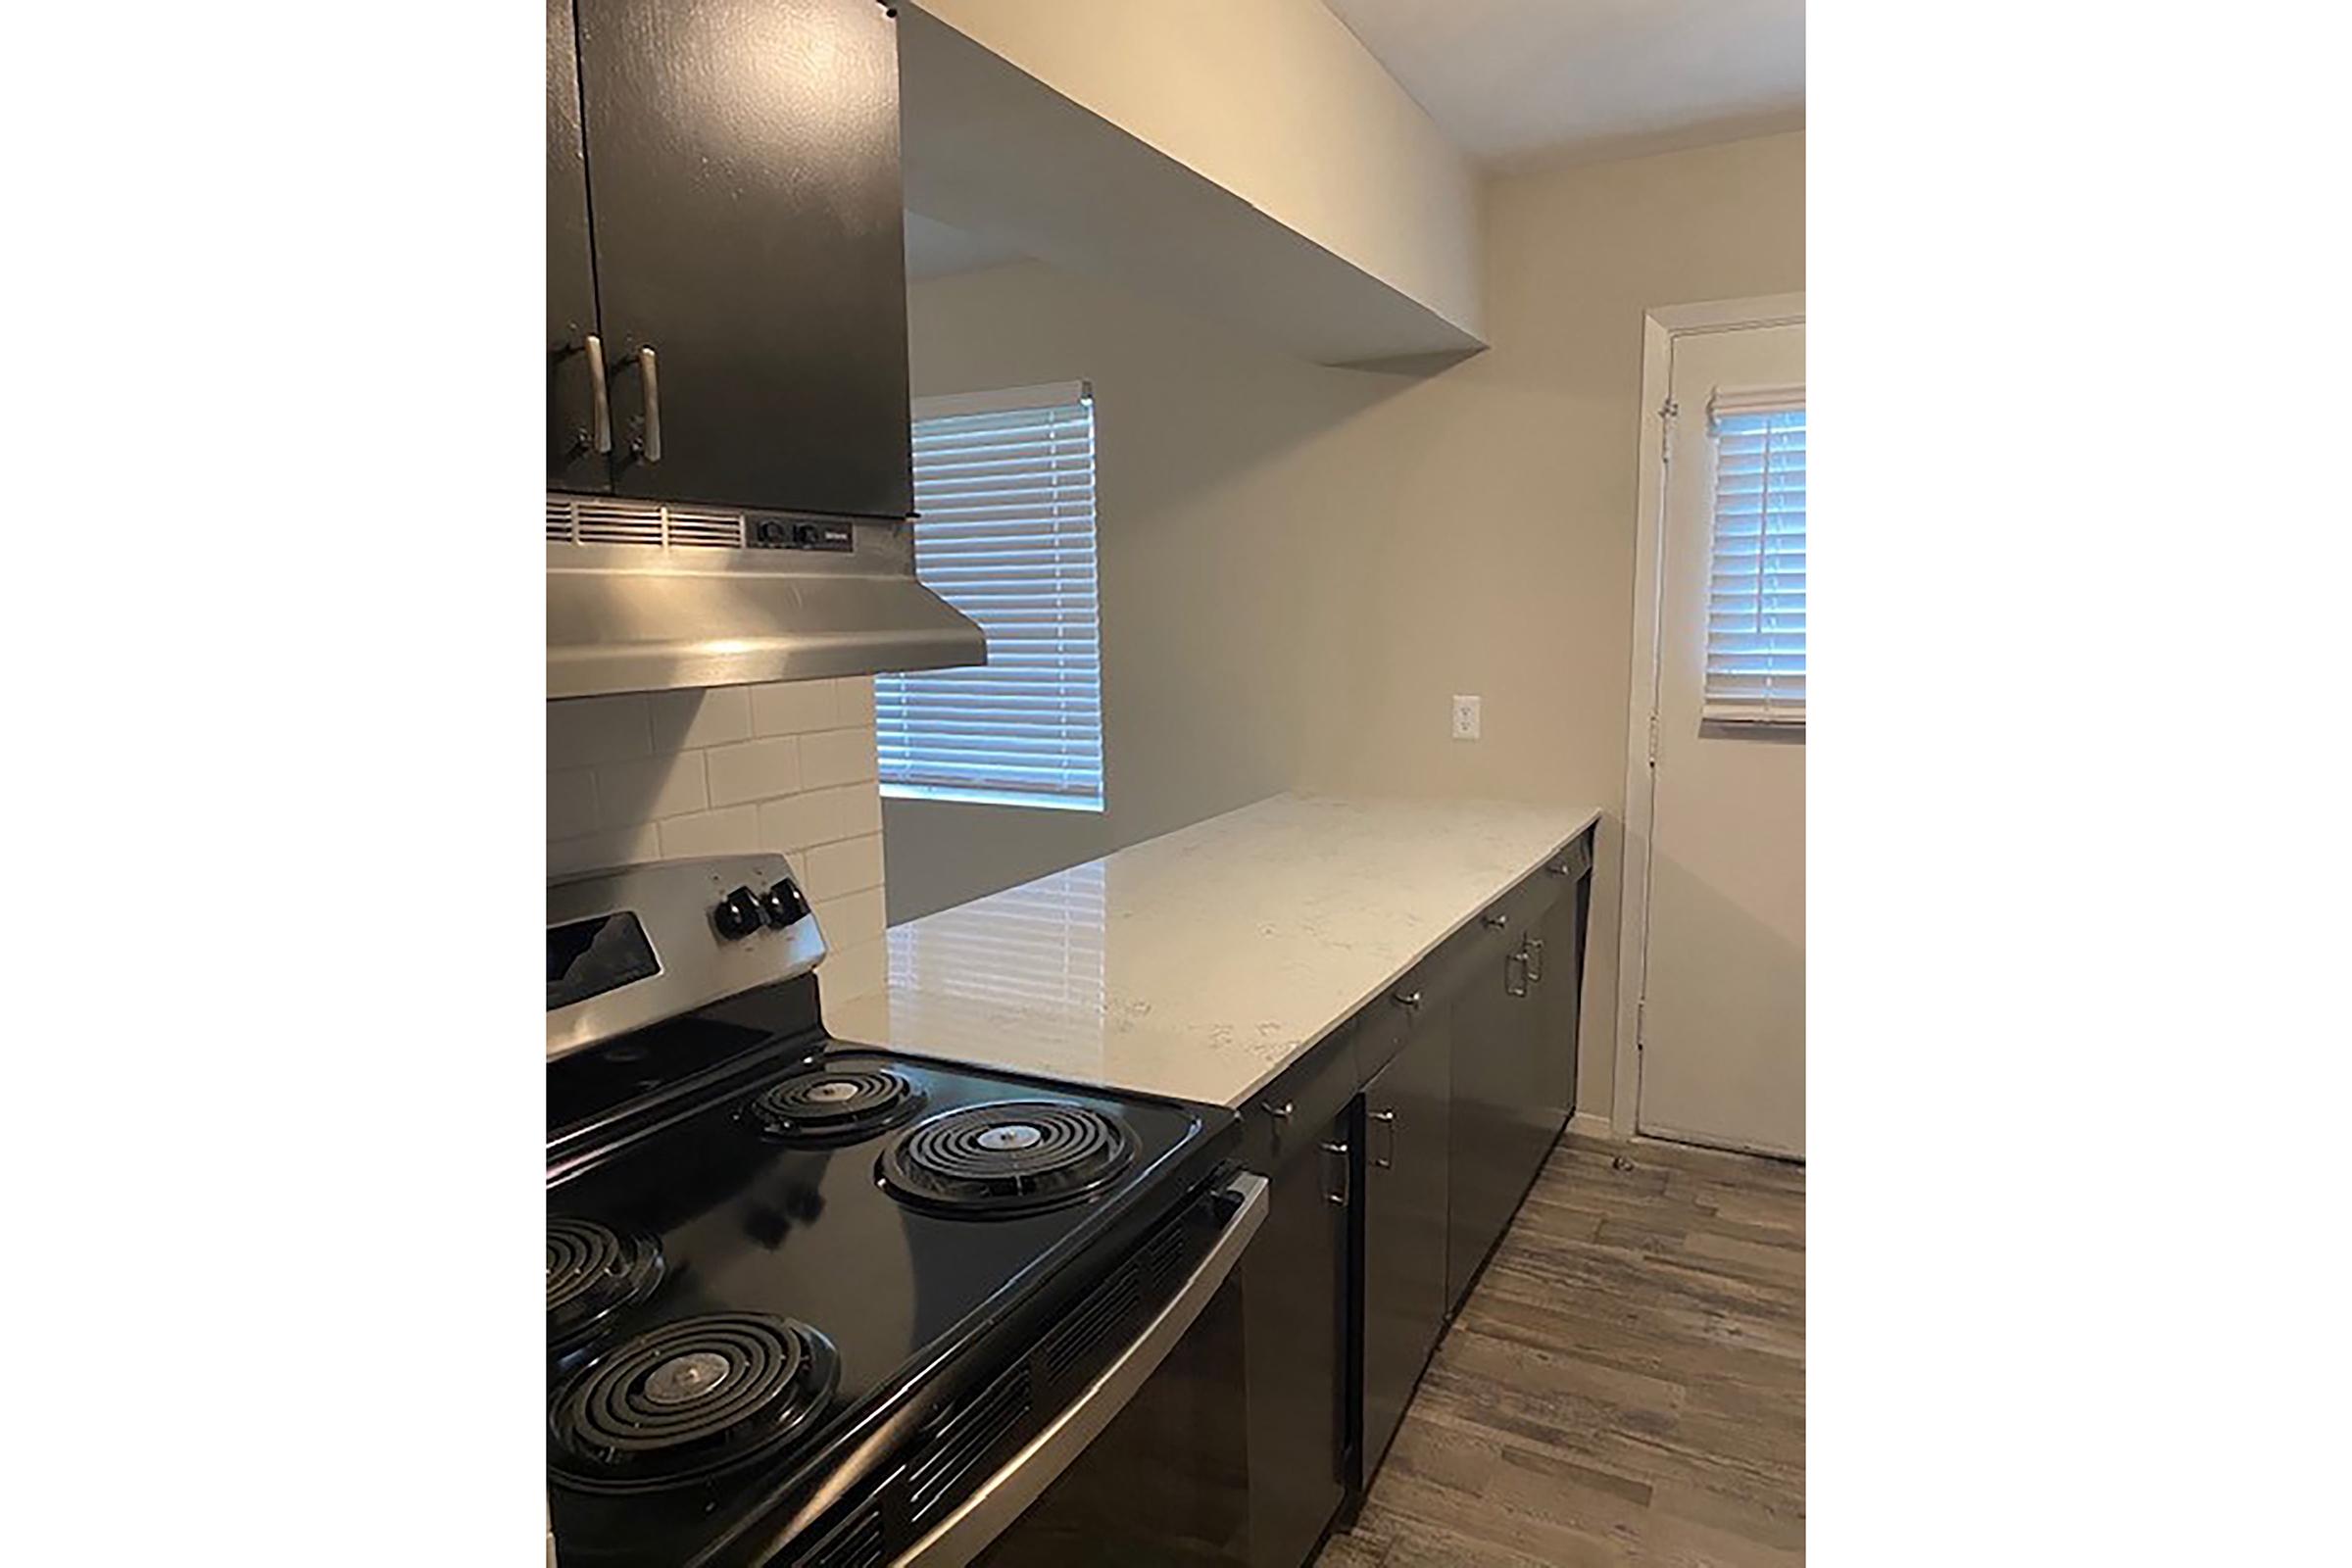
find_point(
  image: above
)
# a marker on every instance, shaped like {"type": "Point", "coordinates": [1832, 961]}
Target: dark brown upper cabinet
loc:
{"type": "Point", "coordinates": [726, 246]}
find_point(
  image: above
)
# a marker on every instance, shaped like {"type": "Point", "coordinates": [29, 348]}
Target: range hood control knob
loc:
{"type": "Point", "coordinates": [783, 903]}
{"type": "Point", "coordinates": [737, 916]}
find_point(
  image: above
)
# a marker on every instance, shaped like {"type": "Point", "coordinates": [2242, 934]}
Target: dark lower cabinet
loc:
{"type": "Point", "coordinates": [1398, 1151]}
{"type": "Point", "coordinates": [1494, 1049]}
{"type": "Point", "coordinates": [1510, 980]}
{"type": "Point", "coordinates": [1406, 1115]}
{"type": "Point", "coordinates": [1557, 976]}
{"type": "Point", "coordinates": [1295, 1294]}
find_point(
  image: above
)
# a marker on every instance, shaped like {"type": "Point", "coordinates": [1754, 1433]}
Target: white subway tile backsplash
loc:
{"type": "Point", "coordinates": [570, 801]}
{"type": "Point", "coordinates": [755, 770]}
{"type": "Point", "coordinates": [788, 766]}
{"type": "Point", "coordinates": [854, 697]}
{"type": "Point", "coordinates": [690, 718]}
{"type": "Point", "coordinates": [856, 971]}
{"type": "Point", "coordinates": [584, 731]}
{"type": "Point", "coordinates": [732, 831]}
{"type": "Point", "coordinates": [616, 846]}
{"type": "Point", "coordinates": [794, 706]}
{"type": "Point", "coordinates": [860, 808]}
{"type": "Point", "coordinates": [837, 757]}
{"type": "Point", "coordinates": [648, 791]}
{"type": "Point", "coordinates": [852, 865]}
{"type": "Point", "coordinates": [852, 918]}
{"type": "Point", "coordinates": [797, 822]}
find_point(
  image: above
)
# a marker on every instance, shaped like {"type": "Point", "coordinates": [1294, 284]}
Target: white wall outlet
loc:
{"type": "Point", "coordinates": [1465, 718]}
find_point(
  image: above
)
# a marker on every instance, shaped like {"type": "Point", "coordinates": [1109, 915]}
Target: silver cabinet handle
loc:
{"type": "Point", "coordinates": [1340, 1196]}
{"type": "Point", "coordinates": [1497, 921]}
{"type": "Point", "coordinates": [600, 400]}
{"type": "Point", "coordinates": [1279, 1113]}
{"type": "Point", "coordinates": [653, 403]}
{"type": "Point", "coordinates": [1388, 1119]}
{"type": "Point", "coordinates": [1408, 999]}
{"type": "Point", "coordinates": [1003, 1497]}
{"type": "Point", "coordinates": [1519, 958]}
{"type": "Point", "coordinates": [1533, 949]}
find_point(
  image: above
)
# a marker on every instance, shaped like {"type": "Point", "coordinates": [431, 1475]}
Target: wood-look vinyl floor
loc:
{"type": "Point", "coordinates": [1625, 1385]}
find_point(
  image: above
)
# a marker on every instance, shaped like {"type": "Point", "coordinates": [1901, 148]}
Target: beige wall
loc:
{"type": "Point", "coordinates": [1276, 101]}
{"type": "Point", "coordinates": [1301, 566]}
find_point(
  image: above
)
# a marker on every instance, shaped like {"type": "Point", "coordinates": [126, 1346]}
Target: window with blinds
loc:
{"type": "Point", "coordinates": [1756, 578]}
{"type": "Point", "coordinates": [1004, 531]}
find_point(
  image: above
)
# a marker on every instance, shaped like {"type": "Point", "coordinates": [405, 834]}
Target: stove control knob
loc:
{"type": "Point", "coordinates": [783, 903]}
{"type": "Point", "coordinates": [737, 916]}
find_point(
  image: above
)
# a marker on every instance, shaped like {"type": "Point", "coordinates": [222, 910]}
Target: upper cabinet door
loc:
{"type": "Point", "coordinates": [749, 251]}
{"type": "Point", "coordinates": [573, 460]}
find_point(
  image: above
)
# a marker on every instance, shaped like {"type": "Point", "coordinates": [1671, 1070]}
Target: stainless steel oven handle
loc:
{"type": "Point", "coordinates": [1003, 1499]}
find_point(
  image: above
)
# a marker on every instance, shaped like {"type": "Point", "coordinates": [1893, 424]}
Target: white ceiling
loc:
{"type": "Point", "coordinates": [1517, 82]}
{"type": "Point", "coordinates": [937, 250]}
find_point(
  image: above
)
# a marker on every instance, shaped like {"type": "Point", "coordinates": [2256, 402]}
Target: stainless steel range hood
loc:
{"type": "Point", "coordinates": [643, 597]}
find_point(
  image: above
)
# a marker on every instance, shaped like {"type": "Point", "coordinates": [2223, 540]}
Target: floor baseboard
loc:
{"type": "Point", "coordinates": [1592, 1124]}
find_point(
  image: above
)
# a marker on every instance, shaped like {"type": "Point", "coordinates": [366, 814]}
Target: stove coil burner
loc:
{"type": "Point", "coordinates": [1011, 1157]}
{"type": "Point", "coordinates": [593, 1271]}
{"type": "Point", "coordinates": [689, 1399]}
{"type": "Point", "coordinates": [835, 1105]}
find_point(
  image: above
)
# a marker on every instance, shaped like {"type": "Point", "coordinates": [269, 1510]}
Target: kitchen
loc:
{"type": "Point", "coordinates": [774, 731]}
{"type": "Point", "coordinates": [1176, 835]}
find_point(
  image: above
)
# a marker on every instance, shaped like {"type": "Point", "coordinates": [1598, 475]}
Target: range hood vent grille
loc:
{"type": "Point", "coordinates": [647, 597]}
{"type": "Point", "coordinates": [578, 520]}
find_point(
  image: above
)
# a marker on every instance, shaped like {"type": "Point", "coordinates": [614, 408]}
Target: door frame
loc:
{"type": "Point", "coordinates": [1661, 326]}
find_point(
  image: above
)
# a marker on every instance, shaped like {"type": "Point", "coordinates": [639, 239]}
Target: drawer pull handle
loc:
{"type": "Point", "coordinates": [1535, 959]}
{"type": "Point", "coordinates": [1497, 921]}
{"type": "Point", "coordinates": [1408, 999]}
{"type": "Point", "coordinates": [1388, 1119]}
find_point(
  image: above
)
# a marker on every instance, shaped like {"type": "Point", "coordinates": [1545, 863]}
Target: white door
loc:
{"type": "Point", "coordinates": [1722, 1035]}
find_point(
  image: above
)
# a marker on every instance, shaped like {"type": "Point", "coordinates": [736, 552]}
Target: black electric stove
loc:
{"type": "Point", "coordinates": [804, 1296]}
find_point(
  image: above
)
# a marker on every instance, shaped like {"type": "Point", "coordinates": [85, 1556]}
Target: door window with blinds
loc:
{"type": "Point", "coordinates": [1756, 579]}
{"type": "Point", "coordinates": [1004, 531]}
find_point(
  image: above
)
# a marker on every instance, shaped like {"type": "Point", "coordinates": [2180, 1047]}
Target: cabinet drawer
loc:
{"type": "Point", "coordinates": [1382, 1027]}
{"type": "Point", "coordinates": [1571, 863]}
{"type": "Point", "coordinates": [1288, 1113]}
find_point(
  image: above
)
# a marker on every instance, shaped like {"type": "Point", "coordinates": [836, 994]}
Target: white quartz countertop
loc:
{"type": "Point", "coordinates": [1200, 964]}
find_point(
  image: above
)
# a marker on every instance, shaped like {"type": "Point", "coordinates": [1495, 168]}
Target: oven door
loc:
{"type": "Point", "coordinates": [1149, 1463]}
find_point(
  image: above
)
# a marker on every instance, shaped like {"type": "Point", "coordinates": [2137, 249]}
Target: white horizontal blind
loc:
{"type": "Point", "coordinates": [1004, 531]}
{"type": "Point", "coordinates": [1756, 571]}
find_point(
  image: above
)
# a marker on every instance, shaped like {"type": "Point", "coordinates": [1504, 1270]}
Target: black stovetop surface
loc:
{"type": "Point", "coordinates": [907, 1299]}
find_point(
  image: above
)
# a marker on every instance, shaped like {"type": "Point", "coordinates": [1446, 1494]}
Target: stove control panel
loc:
{"type": "Point", "coordinates": [633, 944]}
